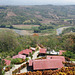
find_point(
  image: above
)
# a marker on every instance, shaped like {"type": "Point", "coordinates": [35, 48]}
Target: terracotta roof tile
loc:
{"type": "Point", "coordinates": [56, 57]}
{"type": "Point", "coordinates": [43, 50]}
{"type": "Point", "coordinates": [30, 62]}
{"type": "Point", "coordinates": [26, 51]}
{"type": "Point", "coordinates": [19, 56]}
{"type": "Point", "coordinates": [47, 64]}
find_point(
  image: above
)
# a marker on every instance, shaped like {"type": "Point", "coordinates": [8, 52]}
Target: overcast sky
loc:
{"type": "Point", "coordinates": [37, 2]}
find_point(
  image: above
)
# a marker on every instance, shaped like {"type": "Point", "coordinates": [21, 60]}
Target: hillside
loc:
{"type": "Point", "coordinates": [37, 15]}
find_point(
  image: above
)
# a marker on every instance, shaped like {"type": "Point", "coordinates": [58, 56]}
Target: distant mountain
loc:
{"type": "Point", "coordinates": [48, 14]}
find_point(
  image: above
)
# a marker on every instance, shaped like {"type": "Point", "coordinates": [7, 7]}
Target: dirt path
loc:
{"type": "Point", "coordinates": [13, 68]}
{"type": "Point", "coordinates": [35, 55]}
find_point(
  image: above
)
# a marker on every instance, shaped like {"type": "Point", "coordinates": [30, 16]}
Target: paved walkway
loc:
{"type": "Point", "coordinates": [35, 55]}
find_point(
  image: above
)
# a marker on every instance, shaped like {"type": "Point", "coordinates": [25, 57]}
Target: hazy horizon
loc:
{"type": "Point", "coordinates": [37, 2]}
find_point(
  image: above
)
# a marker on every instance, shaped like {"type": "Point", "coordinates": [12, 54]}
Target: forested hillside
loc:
{"type": "Point", "coordinates": [11, 43]}
{"type": "Point", "coordinates": [37, 15]}
{"type": "Point", "coordinates": [42, 18]}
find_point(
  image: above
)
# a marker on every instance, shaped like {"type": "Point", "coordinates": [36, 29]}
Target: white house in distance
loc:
{"type": "Point", "coordinates": [53, 52]}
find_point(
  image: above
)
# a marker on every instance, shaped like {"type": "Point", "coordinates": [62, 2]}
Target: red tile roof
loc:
{"type": "Point", "coordinates": [56, 57]}
{"type": "Point", "coordinates": [7, 62]}
{"type": "Point", "coordinates": [26, 51]}
{"type": "Point", "coordinates": [61, 52]}
{"type": "Point", "coordinates": [19, 56]}
{"type": "Point", "coordinates": [30, 62]}
{"type": "Point", "coordinates": [43, 50]}
{"type": "Point", "coordinates": [47, 64]}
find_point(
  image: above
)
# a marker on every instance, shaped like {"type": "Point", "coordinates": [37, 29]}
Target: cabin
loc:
{"type": "Point", "coordinates": [46, 64]}
{"type": "Point", "coordinates": [25, 52]}
{"type": "Point", "coordinates": [19, 56]}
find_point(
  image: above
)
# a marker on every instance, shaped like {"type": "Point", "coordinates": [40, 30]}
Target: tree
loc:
{"type": "Point", "coordinates": [69, 54]}
{"type": "Point", "coordinates": [31, 55]}
{"type": "Point", "coordinates": [3, 26]}
{"type": "Point", "coordinates": [11, 26]}
{"type": "Point", "coordinates": [37, 30]}
{"type": "Point", "coordinates": [68, 42]}
{"type": "Point", "coordinates": [27, 59]}
{"type": "Point", "coordinates": [8, 42]}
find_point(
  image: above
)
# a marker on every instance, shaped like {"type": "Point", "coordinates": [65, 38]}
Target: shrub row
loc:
{"type": "Point", "coordinates": [8, 68]}
{"type": "Point", "coordinates": [18, 70]}
{"type": "Point", "coordinates": [68, 59]}
{"type": "Point", "coordinates": [62, 71]}
{"type": "Point", "coordinates": [69, 64]}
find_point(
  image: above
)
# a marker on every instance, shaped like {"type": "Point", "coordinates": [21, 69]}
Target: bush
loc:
{"type": "Point", "coordinates": [3, 26]}
{"type": "Point", "coordinates": [26, 59]}
{"type": "Point", "coordinates": [69, 54]}
{"type": "Point", "coordinates": [68, 59]}
{"type": "Point", "coordinates": [62, 71]}
{"type": "Point", "coordinates": [17, 61]}
{"type": "Point", "coordinates": [8, 68]}
{"type": "Point", "coordinates": [37, 30]}
{"type": "Point", "coordinates": [69, 64]}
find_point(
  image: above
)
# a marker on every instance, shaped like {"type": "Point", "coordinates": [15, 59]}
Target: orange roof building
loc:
{"type": "Point", "coordinates": [46, 64]}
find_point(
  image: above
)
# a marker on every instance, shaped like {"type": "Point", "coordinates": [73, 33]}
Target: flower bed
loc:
{"type": "Point", "coordinates": [62, 71]}
{"type": "Point", "coordinates": [18, 70]}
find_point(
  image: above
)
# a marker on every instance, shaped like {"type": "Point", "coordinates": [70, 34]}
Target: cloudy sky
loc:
{"type": "Point", "coordinates": [37, 2]}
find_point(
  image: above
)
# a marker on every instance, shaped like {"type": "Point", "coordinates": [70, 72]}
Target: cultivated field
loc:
{"type": "Point", "coordinates": [26, 27]}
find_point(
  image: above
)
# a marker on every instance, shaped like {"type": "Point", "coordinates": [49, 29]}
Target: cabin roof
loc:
{"type": "Point", "coordinates": [43, 50]}
{"type": "Point", "coordinates": [47, 64]}
{"type": "Point", "coordinates": [56, 57]}
{"type": "Point", "coordinates": [26, 51]}
{"type": "Point", "coordinates": [19, 56]}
